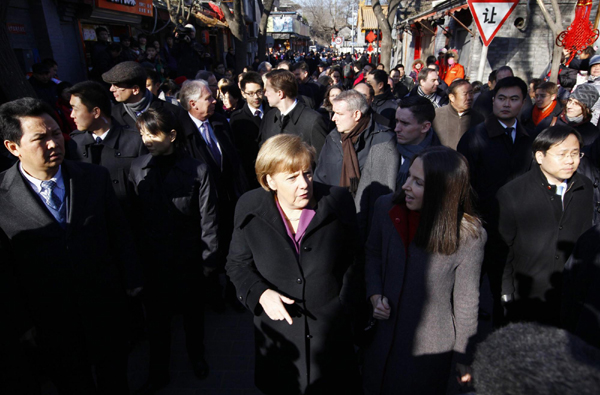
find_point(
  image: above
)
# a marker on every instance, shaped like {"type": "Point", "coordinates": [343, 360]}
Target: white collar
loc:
{"type": "Point", "coordinates": [513, 126]}
{"type": "Point", "coordinates": [102, 136]}
{"type": "Point", "coordinates": [37, 184]}
{"type": "Point", "coordinates": [198, 122]}
{"type": "Point", "coordinates": [290, 108]}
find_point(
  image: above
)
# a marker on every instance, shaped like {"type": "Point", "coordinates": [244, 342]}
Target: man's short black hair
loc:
{"type": "Point", "coordinates": [40, 68]}
{"type": "Point", "coordinates": [506, 68]}
{"type": "Point", "coordinates": [511, 82]}
{"type": "Point", "coordinates": [152, 75]}
{"type": "Point", "coordinates": [533, 359]}
{"type": "Point", "coordinates": [251, 77]}
{"type": "Point", "coordinates": [301, 66]}
{"type": "Point", "coordinates": [431, 59]}
{"type": "Point", "coordinates": [380, 76]}
{"type": "Point", "coordinates": [100, 29]}
{"type": "Point", "coordinates": [421, 108]}
{"type": "Point", "coordinates": [398, 66]}
{"type": "Point", "coordinates": [92, 95]}
{"type": "Point", "coordinates": [12, 112]}
{"type": "Point", "coordinates": [49, 62]}
{"type": "Point", "coordinates": [554, 135]}
{"type": "Point", "coordinates": [492, 76]}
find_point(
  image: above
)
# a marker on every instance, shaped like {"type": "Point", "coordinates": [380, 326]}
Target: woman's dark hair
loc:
{"type": "Point", "coordinates": [554, 135]}
{"type": "Point", "coordinates": [447, 209]}
{"type": "Point", "coordinates": [326, 103]}
{"type": "Point", "coordinates": [160, 120]}
{"type": "Point", "coordinates": [233, 91]}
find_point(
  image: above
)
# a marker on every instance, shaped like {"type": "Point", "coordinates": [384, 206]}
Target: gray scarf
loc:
{"type": "Point", "coordinates": [407, 152]}
{"type": "Point", "coordinates": [576, 120]}
{"type": "Point", "coordinates": [135, 109]}
{"type": "Point", "coordinates": [433, 98]}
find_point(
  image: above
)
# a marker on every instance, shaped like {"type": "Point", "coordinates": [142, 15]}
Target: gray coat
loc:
{"type": "Point", "coordinates": [434, 301]}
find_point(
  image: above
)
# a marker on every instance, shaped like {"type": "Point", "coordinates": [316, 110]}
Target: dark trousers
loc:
{"type": "Point", "coordinates": [161, 306]}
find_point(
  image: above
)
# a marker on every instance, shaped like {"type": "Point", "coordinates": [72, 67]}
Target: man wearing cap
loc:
{"type": "Point", "coordinates": [99, 139]}
{"type": "Point", "coordinates": [128, 84]}
{"type": "Point", "coordinates": [594, 80]}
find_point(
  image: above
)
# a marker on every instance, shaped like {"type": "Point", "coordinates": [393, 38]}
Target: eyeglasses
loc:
{"type": "Point", "coordinates": [258, 93]}
{"type": "Point", "coordinates": [571, 155]}
{"type": "Point", "coordinates": [543, 96]}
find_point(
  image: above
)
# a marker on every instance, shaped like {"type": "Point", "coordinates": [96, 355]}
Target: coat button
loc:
{"type": "Point", "coordinates": [551, 197]}
{"type": "Point", "coordinates": [560, 228]}
{"type": "Point", "coordinates": [240, 298]}
{"type": "Point", "coordinates": [555, 256]}
{"type": "Point", "coordinates": [118, 154]}
{"type": "Point", "coordinates": [115, 181]}
{"type": "Point", "coordinates": [309, 336]}
{"type": "Point", "coordinates": [299, 281]}
{"type": "Point", "coordinates": [306, 248]}
{"type": "Point", "coordinates": [84, 153]}
{"type": "Point", "coordinates": [397, 220]}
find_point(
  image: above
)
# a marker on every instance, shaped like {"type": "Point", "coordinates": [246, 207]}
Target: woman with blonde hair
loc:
{"type": "Point", "coordinates": [292, 260]}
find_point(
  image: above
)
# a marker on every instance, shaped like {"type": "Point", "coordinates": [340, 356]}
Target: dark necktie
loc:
{"type": "Point", "coordinates": [509, 133]}
{"type": "Point", "coordinates": [212, 145]}
{"type": "Point", "coordinates": [97, 151]}
{"type": "Point", "coordinates": [283, 121]}
{"type": "Point", "coordinates": [257, 113]}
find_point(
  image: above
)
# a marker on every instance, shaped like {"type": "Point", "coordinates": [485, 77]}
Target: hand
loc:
{"type": "Point", "coordinates": [135, 291]}
{"type": "Point", "coordinates": [381, 307]}
{"type": "Point", "coordinates": [464, 374]}
{"type": "Point", "coordinates": [207, 271]}
{"type": "Point", "coordinates": [271, 304]}
{"type": "Point", "coordinates": [29, 337]}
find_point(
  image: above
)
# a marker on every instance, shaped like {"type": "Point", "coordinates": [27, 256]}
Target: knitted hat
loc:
{"type": "Point", "coordinates": [125, 72]}
{"type": "Point", "coordinates": [586, 94]}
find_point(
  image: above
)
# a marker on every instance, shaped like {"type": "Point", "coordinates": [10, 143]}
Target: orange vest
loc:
{"type": "Point", "coordinates": [453, 73]}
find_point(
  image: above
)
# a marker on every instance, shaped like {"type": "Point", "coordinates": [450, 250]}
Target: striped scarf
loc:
{"type": "Point", "coordinates": [433, 98]}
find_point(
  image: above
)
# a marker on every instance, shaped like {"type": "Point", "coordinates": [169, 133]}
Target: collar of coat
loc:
{"type": "Point", "coordinates": [112, 138]}
{"type": "Point", "coordinates": [494, 129]}
{"type": "Point", "coordinates": [149, 161]}
{"type": "Point", "coordinates": [573, 184]}
{"type": "Point", "coordinates": [216, 123]}
{"type": "Point", "coordinates": [261, 204]}
{"type": "Point", "coordinates": [294, 115]}
{"type": "Point", "coordinates": [382, 97]}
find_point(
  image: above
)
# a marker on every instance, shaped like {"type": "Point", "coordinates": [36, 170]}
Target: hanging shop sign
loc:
{"type": "Point", "coordinates": [137, 7]}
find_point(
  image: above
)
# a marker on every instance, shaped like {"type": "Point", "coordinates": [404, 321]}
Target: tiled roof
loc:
{"type": "Point", "coordinates": [367, 19]}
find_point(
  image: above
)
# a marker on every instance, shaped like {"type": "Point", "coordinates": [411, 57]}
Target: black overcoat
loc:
{"type": "Point", "coordinates": [71, 281]}
{"type": "Point", "coordinates": [315, 354]}
{"type": "Point", "coordinates": [540, 236]}
{"type": "Point", "coordinates": [120, 147]}
{"type": "Point", "coordinates": [303, 122]}
{"type": "Point", "coordinates": [177, 221]}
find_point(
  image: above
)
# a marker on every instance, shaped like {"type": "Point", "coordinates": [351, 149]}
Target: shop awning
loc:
{"type": "Point", "coordinates": [367, 19]}
{"type": "Point", "coordinates": [436, 14]}
{"type": "Point", "coordinates": [209, 21]}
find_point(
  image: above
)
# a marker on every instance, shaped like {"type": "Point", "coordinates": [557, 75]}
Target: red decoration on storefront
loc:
{"type": "Point", "coordinates": [218, 11]}
{"type": "Point", "coordinates": [370, 37]}
{"type": "Point", "coordinates": [581, 33]}
{"type": "Point", "coordinates": [370, 48]}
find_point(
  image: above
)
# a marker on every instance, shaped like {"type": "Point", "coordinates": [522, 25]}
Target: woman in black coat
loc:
{"type": "Point", "coordinates": [292, 260]}
{"type": "Point", "coordinates": [177, 239]}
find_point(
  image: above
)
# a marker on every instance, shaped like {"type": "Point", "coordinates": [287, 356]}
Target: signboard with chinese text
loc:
{"type": "Point", "coordinates": [138, 7]}
{"type": "Point", "coordinates": [16, 28]}
{"type": "Point", "coordinates": [490, 15]}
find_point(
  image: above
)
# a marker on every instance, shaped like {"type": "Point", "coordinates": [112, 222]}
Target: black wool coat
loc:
{"type": "Point", "coordinates": [303, 122]}
{"type": "Point", "coordinates": [540, 237]}
{"type": "Point", "coordinates": [494, 160]}
{"type": "Point", "coordinates": [245, 128]}
{"type": "Point", "coordinates": [176, 221]}
{"type": "Point", "coordinates": [314, 355]}
{"type": "Point", "coordinates": [120, 147]}
{"type": "Point", "coordinates": [71, 282]}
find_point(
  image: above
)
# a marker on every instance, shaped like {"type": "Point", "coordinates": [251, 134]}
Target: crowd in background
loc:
{"type": "Point", "coordinates": [356, 211]}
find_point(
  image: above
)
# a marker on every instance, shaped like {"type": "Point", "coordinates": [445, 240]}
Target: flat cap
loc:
{"type": "Point", "coordinates": [586, 94]}
{"type": "Point", "coordinates": [124, 72]}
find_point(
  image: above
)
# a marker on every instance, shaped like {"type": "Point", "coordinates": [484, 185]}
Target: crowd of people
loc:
{"type": "Point", "coordinates": [355, 210]}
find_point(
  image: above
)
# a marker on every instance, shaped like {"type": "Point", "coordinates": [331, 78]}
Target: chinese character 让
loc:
{"type": "Point", "coordinates": [491, 18]}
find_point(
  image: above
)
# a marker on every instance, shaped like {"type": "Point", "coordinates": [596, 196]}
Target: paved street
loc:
{"type": "Point", "coordinates": [230, 354]}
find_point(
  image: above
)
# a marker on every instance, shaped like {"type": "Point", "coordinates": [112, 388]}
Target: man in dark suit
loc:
{"type": "Point", "coordinates": [290, 115]}
{"type": "Point", "coordinates": [208, 138]}
{"type": "Point", "coordinates": [245, 123]}
{"type": "Point", "coordinates": [128, 84]}
{"type": "Point", "coordinates": [65, 247]}
{"type": "Point", "coordinates": [306, 87]}
{"type": "Point", "coordinates": [99, 139]}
